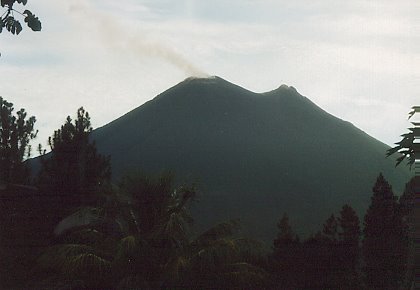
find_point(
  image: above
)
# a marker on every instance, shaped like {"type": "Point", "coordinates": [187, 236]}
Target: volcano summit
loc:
{"type": "Point", "coordinates": [253, 156]}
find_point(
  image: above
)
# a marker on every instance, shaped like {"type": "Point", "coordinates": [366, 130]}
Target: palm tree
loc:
{"type": "Point", "coordinates": [218, 258]}
{"type": "Point", "coordinates": [140, 239]}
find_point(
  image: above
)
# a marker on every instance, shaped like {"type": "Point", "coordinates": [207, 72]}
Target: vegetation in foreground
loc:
{"type": "Point", "coordinates": [79, 231]}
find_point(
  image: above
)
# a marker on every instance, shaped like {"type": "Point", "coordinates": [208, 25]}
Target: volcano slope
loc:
{"type": "Point", "coordinates": [253, 156]}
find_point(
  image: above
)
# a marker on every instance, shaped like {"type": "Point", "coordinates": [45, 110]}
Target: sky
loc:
{"type": "Point", "coordinates": [358, 60]}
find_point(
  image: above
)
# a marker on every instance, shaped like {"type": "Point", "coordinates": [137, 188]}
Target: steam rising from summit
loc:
{"type": "Point", "coordinates": [116, 37]}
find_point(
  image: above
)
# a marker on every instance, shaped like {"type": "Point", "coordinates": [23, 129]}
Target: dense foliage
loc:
{"type": "Point", "coordinates": [406, 203]}
{"type": "Point", "coordinates": [326, 260]}
{"type": "Point", "coordinates": [8, 20]}
{"type": "Point", "coordinates": [73, 167]}
{"type": "Point", "coordinates": [335, 258]}
{"type": "Point", "coordinates": [87, 233]}
{"type": "Point", "coordinates": [141, 240]}
{"type": "Point", "coordinates": [406, 147]}
{"type": "Point", "coordinates": [384, 244]}
{"type": "Point", "coordinates": [16, 132]}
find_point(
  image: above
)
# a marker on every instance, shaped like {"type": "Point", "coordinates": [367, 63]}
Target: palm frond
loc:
{"type": "Point", "coordinates": [127, 246]}
{"type": "Point", "coordinates": [176, 268]}
{"type": "Point", "coordinates": [216, 254]}
{"type": "Point", "coordinates": [131, 250]}
{"type": "Point", "coordinates": [175, 227]}
{"type": "Point", "coordinates": [219, 231]}
{"type": "Point", "coordinates": [87, 265]}
{"type": "Point", "coordinates": [243, 276]}
{"type": "Point", "coordinates": [134, 282]}
{"type": "Point", "coordinates": [84, 235]}
{"type": "Point", "coordinates": [75, 261]}
{"type": "Point", "coordinates": [57, 256]}
{"type": "Point", "coordinates": [82, 217]}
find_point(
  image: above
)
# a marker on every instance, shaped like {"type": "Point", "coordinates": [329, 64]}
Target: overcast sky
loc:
{"type": "Point", "coordinates": [358, 60]}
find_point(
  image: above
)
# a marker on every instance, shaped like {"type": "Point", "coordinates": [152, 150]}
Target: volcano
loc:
{"type": "Point", "coordinates": [253, 156]}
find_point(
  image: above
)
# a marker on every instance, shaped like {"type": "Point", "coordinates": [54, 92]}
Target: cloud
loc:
{"type": "Point", "coordinates": [113, 56]}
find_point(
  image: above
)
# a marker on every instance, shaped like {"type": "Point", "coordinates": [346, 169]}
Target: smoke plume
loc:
{"type": "Point", "coordinates": [117, 38]}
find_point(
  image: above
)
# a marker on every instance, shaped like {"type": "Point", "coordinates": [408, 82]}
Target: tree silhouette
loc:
{"type": "Point", "coordinates": [323, 253]}
{"type": "Point", "coordinates": [407, 202]}
{"type": "Point", "coordinates": [330, 231]}
{"type": "Point", "coordinates": [384, 246]}
{"type": "Point", "coordinates": [16, 131]}
{"type": "Point", "coordinates": [410, 150]}
{"type": "Point", "coordinates": [349, 249]}
{"type": "Point", "coordinates": [74, 168]}
{"type": "Point", "coordinates": [287, 260]}
{"type": "Point", "coordinates": [285, 235]}
{"type": "Point", "coordinates": [8, 21]}
{"type": "Point", "coordinates": [350, 226]}
{"type": "Point", "coordinates": [16, 197]}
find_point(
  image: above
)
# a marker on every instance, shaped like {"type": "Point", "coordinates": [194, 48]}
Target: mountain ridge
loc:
{"type": "Point", "coordinates": [253, 155]}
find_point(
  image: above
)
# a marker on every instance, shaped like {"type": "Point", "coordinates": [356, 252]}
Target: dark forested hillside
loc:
{"type": "Point", "coordinates": [253, 156]}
